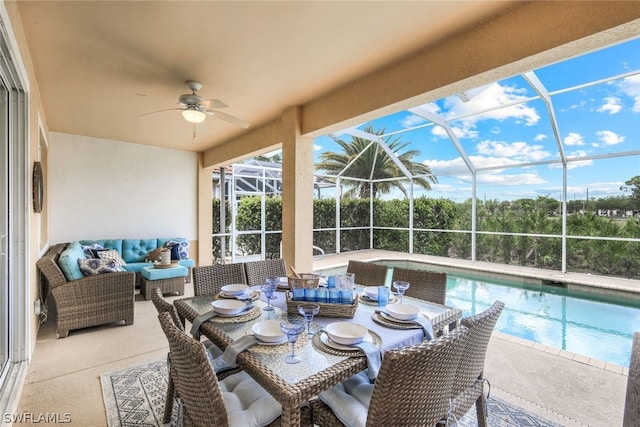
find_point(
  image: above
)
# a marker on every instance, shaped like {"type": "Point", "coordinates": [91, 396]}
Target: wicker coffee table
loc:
{"type": "Point", "coordinates": [169, 280]}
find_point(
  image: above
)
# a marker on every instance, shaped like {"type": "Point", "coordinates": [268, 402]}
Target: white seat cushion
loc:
{"type": "Point", "coordinates": [213, 350]}
{"type": "Point", "coordinates": [247, 403]}
{"type": "Point", "coordinates": [350, 399]}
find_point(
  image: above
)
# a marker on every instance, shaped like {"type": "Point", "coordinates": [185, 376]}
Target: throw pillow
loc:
{"type": "Point", "coordinates": [113, 255]}
{"type": "Point", "coordinates": [89, 250]}
{"type": "Point", "coordinates": [154, 255]}
{"type": "Point", "coordinates": [93, 266]}
{"type": "Point", "coordinates": [182, 248]}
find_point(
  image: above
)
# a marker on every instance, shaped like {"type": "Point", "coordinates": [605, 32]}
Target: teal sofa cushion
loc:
{"type": "Point", "coordinates": [136, 250]}
{"type": "Point", "coordinates": [68, 261]}
{"type": "Point", "coordinates": [137, 266]}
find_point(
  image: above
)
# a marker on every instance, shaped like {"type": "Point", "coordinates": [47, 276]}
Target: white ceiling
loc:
{"type": "Point", "coordinates": [94, 59]}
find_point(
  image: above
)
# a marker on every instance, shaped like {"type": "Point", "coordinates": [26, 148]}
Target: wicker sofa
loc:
{"type": "Point", "coordinates": [90, 301]}
{"type": "Point", "coordinates": [134, 252]}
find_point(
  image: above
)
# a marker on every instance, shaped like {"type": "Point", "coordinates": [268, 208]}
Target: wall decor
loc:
{"type": "Point", "coordinates": [37, 189]}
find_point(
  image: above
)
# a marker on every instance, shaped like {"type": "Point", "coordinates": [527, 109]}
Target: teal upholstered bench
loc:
{"type": "Point", "coordinates": [169, 280]}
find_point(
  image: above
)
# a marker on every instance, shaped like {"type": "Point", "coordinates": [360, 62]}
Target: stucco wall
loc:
{"type": "Point", "coordinates": [109, 189]}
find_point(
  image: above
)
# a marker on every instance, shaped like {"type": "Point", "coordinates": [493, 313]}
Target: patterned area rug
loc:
{"type": "Point", "coordinates": [135, 397]}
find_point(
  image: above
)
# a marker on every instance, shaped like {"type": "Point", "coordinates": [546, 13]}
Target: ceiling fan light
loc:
{"type": "Point", "coordinates": [194, 116]}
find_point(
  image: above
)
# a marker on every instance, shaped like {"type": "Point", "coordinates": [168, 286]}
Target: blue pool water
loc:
{"type": "Point", "coordinates": [592, 325]}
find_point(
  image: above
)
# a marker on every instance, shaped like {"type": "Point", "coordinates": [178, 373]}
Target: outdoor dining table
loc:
{"type": "Point", "coordinates": [294, 384]}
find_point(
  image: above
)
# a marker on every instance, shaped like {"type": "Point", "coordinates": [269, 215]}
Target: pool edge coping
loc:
{"type": "Point", "coordinates": [569, 355]}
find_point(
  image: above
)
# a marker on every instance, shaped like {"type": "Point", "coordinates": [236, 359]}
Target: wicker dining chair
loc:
{"type": "Point", "coordinates": [209, 279]}
{"type": "Point", "coordinates": [206, 401]}
{"type": "Point", "coordinates": [164, 306]}
{"type": "Point", "coordinates": [258, 271]}
{"type": "Point", "coordinates": [412, 388]}
{"type": "Point", "coordinates": [368, 273]}
{"type": "Point", "coordinates": [468, 382]}
{"type": "Point", "coordinates": [426, 285]}
{"type": "Point", "coordinates": [632, 400]}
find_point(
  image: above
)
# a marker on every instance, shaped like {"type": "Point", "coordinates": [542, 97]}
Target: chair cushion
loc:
{"type": "Point", "coordinates": [68, 261]}
{"type": "Point", "coordinates": [350, 399]}
{"type": "Point", "coordinates": [247, 403]}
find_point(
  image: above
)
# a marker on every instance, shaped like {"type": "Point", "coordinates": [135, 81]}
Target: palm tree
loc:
{"type": "Point", "coordinates": [373, 163]}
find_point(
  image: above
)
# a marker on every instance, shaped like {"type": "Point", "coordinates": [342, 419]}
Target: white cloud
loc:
{"type": "Point", "coordinates": [514, 150]}
{"type": "Point", "coordinates": [574, 164]}
{"type": "Point", "coordinates": [412, 120]}
{"type": "Point", "coordinates": [611, 105]}
{"type": "Point", "coordinates": [540, 137]}
{"type": "Point", "coordinates": [574, 139]}
{"type": "Point", "coordinates": [610, 138]}
{"type": "Point", "coordinates": [493, 96]}
{"type": "Point", "coordinates": [317, 147]}
{"type": "Point", "coordinates": [631, 87]}
{"type": "Point", "coordinates": [461, 131]}
{"type": "Point", "coordinates": [510, 179]}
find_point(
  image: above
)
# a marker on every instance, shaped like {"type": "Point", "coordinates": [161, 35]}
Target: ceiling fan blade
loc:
{"type": "Point", "coordinates": [161, 111]}
{"type": "Point", "coordinates": [228, 118]}
{"type": "Point", "coordinates": [213, 103]}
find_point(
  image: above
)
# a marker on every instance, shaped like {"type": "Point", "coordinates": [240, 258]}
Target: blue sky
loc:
{"type": "Point", "coordinates": [600, 120]}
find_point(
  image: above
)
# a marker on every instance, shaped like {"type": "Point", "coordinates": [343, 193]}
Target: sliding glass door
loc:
{"type": "Point", "coordinates": [4, 231]}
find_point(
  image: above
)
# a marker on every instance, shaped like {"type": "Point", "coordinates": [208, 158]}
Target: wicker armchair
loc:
{"type": "Point", "coordinates": [90, 301]}
{"type": "Point", "coordinates": [426, 285]}
{"type": "Point", "coordinates": [209, 279]}
{"type": "Point", "coordinates": [412, 388]}
{"type": "Point", "coordinates": [632, 401]}
{"type": "Point", "coordinates": [258, 271]}
{"type": "Point", "coordinates": [368, 273]}
{"type": "Point", "coordinates": [468, 382]}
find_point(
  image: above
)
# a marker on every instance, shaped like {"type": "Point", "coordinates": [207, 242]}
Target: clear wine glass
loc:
{"type": "Point", "coordinates": [268, 289]}
{"type": "Point", "coordinates": [401, 287]}
{"type": "Point", "coordinates": [308, 311]}
{"type": "Point", "coordinates": [292, 328]}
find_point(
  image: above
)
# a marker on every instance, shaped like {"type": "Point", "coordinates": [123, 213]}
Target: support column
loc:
{"type": "Point", "coordinates": [297, 193]}
{"type": "Point", "coordinates": [205, 219]}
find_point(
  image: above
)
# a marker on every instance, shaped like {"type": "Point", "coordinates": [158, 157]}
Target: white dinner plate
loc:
{"type": "Point", "coordinates": [282, 341]}
{"type": "Point", "coordinates": [329, 343]}
{"type": "Point", "coordinates": [242, 313]}
{"type": "Point", "coordinates": [393, 319]}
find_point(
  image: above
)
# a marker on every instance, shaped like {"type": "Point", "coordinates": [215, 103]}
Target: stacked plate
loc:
{"type": "Point", "coordinates": [404, 313]}
{"type": "Point", "coordinates": [229, 307]}
{"type": "Point", "coordinates": [268, 332]}
{"type": "Point", "coordinates": [235, 290]}
{"type": "Point", "coordinates": [344, 335]}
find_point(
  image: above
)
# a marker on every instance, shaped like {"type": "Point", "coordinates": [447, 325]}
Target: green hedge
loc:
{"type": "Point", "coordinates": [522, 216]}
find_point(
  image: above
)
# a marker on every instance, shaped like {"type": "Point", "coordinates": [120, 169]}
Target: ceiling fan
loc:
{"type": "Point", "coordinates": [195, 108]}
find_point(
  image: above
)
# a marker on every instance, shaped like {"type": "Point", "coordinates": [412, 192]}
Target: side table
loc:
{"type": "Point", "coordinates": [169, 280]}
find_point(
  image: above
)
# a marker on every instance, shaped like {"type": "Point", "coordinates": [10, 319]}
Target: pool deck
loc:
{"type": "Point", "coordinates": [561, 386]}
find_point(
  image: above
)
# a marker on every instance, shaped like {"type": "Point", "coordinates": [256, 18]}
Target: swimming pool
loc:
{"type": "Point", "coordinates": [593, 325]}
{"type": "Point", "coordinates": [569, 320]}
